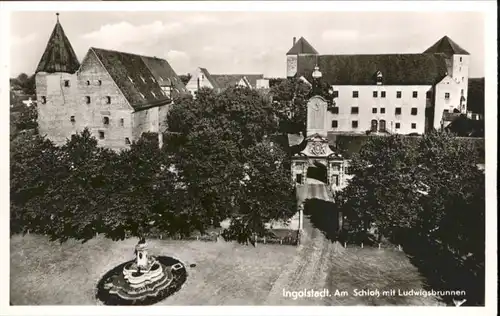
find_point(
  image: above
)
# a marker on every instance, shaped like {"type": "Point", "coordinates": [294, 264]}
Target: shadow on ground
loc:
{"type": "Point", "coordinates": [323, 216]}
{"type": "Point", "coordinates": [444, 272]}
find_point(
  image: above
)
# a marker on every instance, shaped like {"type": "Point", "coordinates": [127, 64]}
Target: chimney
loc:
{"type": "Point", "coordinates": [294, 40]}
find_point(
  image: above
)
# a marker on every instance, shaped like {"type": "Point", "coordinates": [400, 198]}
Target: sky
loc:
{"type": "Point", "coordinates": [244, 42]}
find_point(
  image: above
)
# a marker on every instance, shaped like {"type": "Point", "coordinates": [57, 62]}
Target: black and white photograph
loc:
{"type": "Point", "coordinates": [202, 157]}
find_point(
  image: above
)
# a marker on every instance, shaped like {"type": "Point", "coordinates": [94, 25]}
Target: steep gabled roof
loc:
{"type": "Point", "coordinates": [165, 74]}
{"type": "Point", "coordinates": [59, 55]}
{"type": "Point", "coordinates": [446, 46]}
{"type": "Point", "coordinates": [138, 77]}
{"type": "Point", "coordinates": [210, 79]}
{"type": "Point", "coordinates": [302, 47]}
{"type": "Point", "coordinates": [396, 69]}
{"type": "Point", "coordinates": [252, 79]}
{"type": "Point", "coordinates": [227, 80]}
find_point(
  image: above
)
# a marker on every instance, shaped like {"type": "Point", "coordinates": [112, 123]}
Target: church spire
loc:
{"type": "Point", "coordinates": [59, 55]}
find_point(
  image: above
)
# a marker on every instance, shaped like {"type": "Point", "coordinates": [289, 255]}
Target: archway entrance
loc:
{"type": "Point", "coordinates": [317, 171]}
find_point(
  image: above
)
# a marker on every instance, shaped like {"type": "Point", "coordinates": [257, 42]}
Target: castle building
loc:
{"type": "Point", "coordinates": [116, 95]}
{"type": "Point", "coordinates": [388, 93]}
{"type": "Point", "coordinates": [202, 78]}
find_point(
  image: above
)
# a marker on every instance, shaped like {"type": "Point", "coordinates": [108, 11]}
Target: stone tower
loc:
{"type": "Point", "coordinates": [299, 48]}
{"type": "Point", "coordinates": [56, 85]}
{"type": "Point", "coordinates": [458, 61]}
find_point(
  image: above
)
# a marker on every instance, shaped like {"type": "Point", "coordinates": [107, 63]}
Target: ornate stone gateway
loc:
{"type": "Point", "coordinates": [317, 152]}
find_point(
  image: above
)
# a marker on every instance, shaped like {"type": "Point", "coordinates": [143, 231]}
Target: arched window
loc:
{"type": "Point", "coordinates": [382, 126]}
{"type": "Point", "coordinates": [374, 126]}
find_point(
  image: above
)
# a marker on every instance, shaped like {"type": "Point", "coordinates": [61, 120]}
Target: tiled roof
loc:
{"type": "Point", "coordinates": [226, 81]}
{"type": "Point", "coordinates": [446, 46]}
{"type": "Point", "coordinates": [140, 77]}
{"type": "Point", "coordinates": [252, 79]}
{"type": "Point", "coordinates": [396, 69]}
{"type": "Point", "coordinates": [302, 47]}
{"type": "Point", "coordinates": [59, 55]}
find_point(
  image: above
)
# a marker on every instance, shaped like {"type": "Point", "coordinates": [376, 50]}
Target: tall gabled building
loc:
{"type": "Point", "coordinates": [117, 95]}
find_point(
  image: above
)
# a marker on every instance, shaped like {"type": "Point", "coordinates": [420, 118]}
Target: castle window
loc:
{"type": "Point", "coordinates": [447, 95]}
{"type": "Point", "coordinates": [374, 126]}
{"type": "Point", "coordinates": [108, 100]}
{"type": "Point", "coordinates": [298, 178]}
{"type": "Point", "coordinates": [415, 94]}
{"type": "Point", "coordinates": [334, 110]}
{"type": "Point", "coordinates": [413, 125]}
{"type": "Point", "coordinates": [398, 111]}
{"type": "Point", "coordinates": [460, 59]}
{"type": "Point", "coordinates": [88, 82]}
{"type": "Point", "coordinates": [398, 94]}
{"type": "Point", "coordinates": [382, 94]}
{"type": "Point", "coordinates": [44, 99]}
{"type": "Point", "coordinates": [398, 125]}
{"type": "Point", "coordinates": [428, 94]}
{"type": "Point", "coordinates": [375, 94]}
{"type": "Point", "coordinates": [335, 124]}
{"type": "Point", "coordinates": [354, 124]}
{"type": "Point", "coordinates": [87, 99]}
{"type": "Point", "coordinates": [66, 83]}
{"type": "Point", "coordinates": [414, 111]}
{"type": "Point", "coordinates": [105, 120]}
{"type": "Point", "coordinates": [122, 122]}
{"type": "Point", "coordinates": [354, 110]}
{"type": "Point", "coordinates": [99, 82]}
{"type": "Point", "coordinates": [382, 110]}
{"type": "Point", "coordinates": [355, 94]}
{"type": "Point", "coordinates": [101, 135]}
{"type": "Point", "coordinates": [374, 110]}
{"type": "Point", "coordinates": [127, 141]}
{"type": "Point", "coordinates": [381, 127]}
{"type": "Point", "coordinates": [72, 119]}
{"type": "Point", "coordinates": [335, 93]}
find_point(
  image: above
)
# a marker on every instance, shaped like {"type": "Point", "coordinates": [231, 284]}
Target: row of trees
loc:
{"type": "Point", "coordinates": [428, 196]}
{"type": "Point", "coordinates": [217, 163]}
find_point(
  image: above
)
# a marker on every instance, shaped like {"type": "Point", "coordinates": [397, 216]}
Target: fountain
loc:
{"type": "Point", "coordinates": [143, 281]}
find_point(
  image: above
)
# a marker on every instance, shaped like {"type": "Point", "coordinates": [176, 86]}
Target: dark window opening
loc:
{"type": "Point", "coordinates": [355, 94]}
{"type": "Point", "coordinates": [354, 124]}
{"type": "Point", "coordinates": [415, 94]}
{"type": "Point", "coordinates": [99, 82]}
{"type": "Point", "coordinates": [398, 111]}
{"type": "Point", "coordinates": [382, 94]}
{"type": "Point", "coordinates": [428, 94]}
{"type": "Point", "coordinates": [298, 178]}
{"type": "Point", "coordinates": [108, 100]}
{"type": "Point", "coordinates": [335, 110]}
{"type": "Point", "coordinates": [335, 180]}
{"type": "Point", "coordinates": [375, 94]}
{"type": "Point", "coordinates": [122, 122]}
{"type": "Point", "coordinates": [374, 126]}
{"type": "Point", "coordinates": [335, 93]}
{"type": "Point", "coordinates": [66, 83]}
{"type": "Point", "coordinates": [88, 82]}
{"type": "Point", "coordinates": [413, 125]}
{"type": "Point", "coordinates": [381, 127]}
{"type": "Point", "coordinates": [382, 110]}
{"type": "Point", "coordinates": [374, 110]}
{"type": "Point", "coordinates": [398, 94]}
{"type": "Point", "coordinates": [446, 111]}
{"type": "Point", "coordinates": [72, 119]}
{"type": "Point", "coordinates": [44, 100]}
{"type": "Point", "coordinates": [335, 124]}
{"type": "Point", "coordinates": [398, 125]}
{"type": "Point", "coordinates": [87, 99]}
{"type": "Point", "coordinates": [354, 110]}
{"type": "Point", "coordinates": [414, 111]}
{"type": "Point", "coordinates": [127, 141]}
{"type": "Point", "coordinates": [105, 120]}
{"type": "Point", "coordinates": [101, 135]}
{"type": "Point", "coordinates": [447, 95]}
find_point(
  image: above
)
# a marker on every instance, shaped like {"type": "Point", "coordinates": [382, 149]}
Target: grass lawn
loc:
{"type": "Point", "coordinates": [49, 273]}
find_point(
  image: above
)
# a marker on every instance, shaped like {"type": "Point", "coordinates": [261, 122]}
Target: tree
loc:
{"type": "Point", "coordinates": [185, 78]}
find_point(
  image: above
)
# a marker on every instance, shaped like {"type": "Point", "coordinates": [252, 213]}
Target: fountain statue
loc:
{"type": "Point", "coordinates": [143, 277]}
